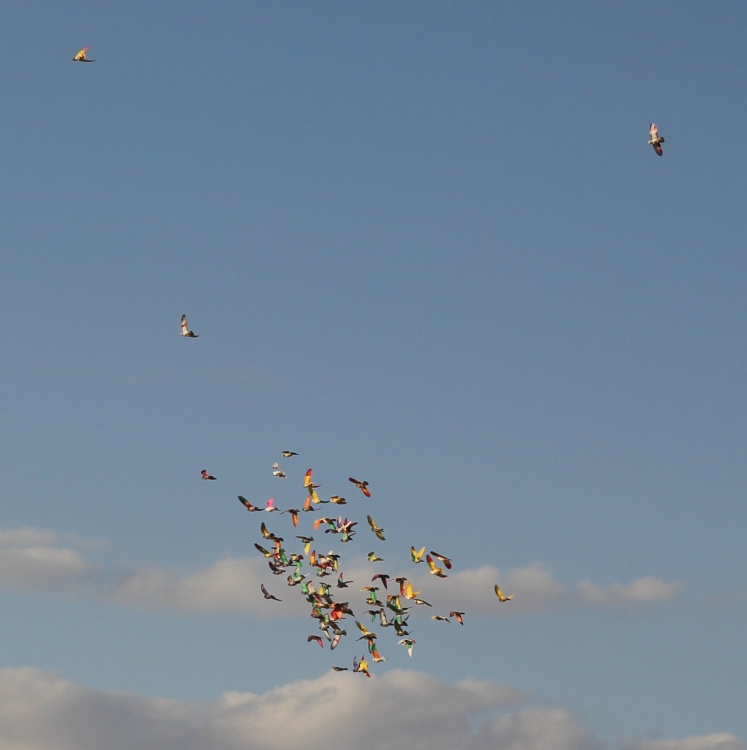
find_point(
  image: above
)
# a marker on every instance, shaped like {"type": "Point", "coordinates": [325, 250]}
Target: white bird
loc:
{"type": "Point", "coordinates": [185, 329]}
{"type": "Point", "coordinates": [277, 471]}
{"type": "Point", "coordinates": [656, 140]}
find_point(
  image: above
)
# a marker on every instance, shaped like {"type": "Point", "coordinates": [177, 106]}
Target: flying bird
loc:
{"type": "Point", "coordinates": [501, 596]}
{"type": "Point", "coordinates": [185, 327]}
{"type": "Point", "coordinates": [205, 475]}
{"type": "Point", "coordinates": [417, 556]}
{"type": "Point", "coordinates": [315, 638]}
{"type": "Point", "coordinates": [445, 560]}
{"type": "Point", "coordinates": [306, 540]}
{"type": "Point", "coordinates": [408, 643]}
{"type": "Point", "coordinates": [383, 577]}
{"type": "Point", "coordinates": [341, 584]}
{"type": "Point", "coordinates": [293, 514]}
{"type": "Point", "coordinates": [268, 595]}
{"type": "Point", "coordinates": [81, 56]}
{"type": "Point", "coordinates": [375, 528]}
{"type": "Point", "coordinates": [656, 140]}
{"type": "Point", "coordinates": [362, 486]}
{"type": "Point", "coordinates": [440, 618]}
{"type": "Point", "coordinates": [372, 557]}
{"type": "Point", "coordinates": [251, 508]}
{"type": "Point", "coordinates": [288, 454]}
{"type": "Point", "coordinates": [457, 616]}
{"type": "Point", "coordinates": [270, 507]}
{"type": "Point", "coordinates": [277, 471]}
{"type": "Point", "coordinates": [435, 570]}
{"type": "Point", "coordinates": [340, 669]}
{"type": "Point", "coordinates": [337, 500]}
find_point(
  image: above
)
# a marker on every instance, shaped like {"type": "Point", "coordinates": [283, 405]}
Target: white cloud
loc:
{"type": "Point", "coordinates": [230, 585]}
{"type": "Point", "coordinates": [42, 711]}
{"type": "Point", "coordinates": [720, 741]}
{"type": "Point", "coordinates": [35, 559]}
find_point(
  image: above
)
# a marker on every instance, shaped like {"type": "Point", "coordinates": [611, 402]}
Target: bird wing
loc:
{"type": "Point", "coordinates": [653, 131]}
{"type": "Point", "coordinates": [307, 478]}
{"type": "Point", "coordinates": [185, 327]}
{"type": "Point", "coordinates": [445, 560]}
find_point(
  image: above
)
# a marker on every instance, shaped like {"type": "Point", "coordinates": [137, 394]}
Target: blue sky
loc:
{"type": "Point", "coordinates": [424, 244]}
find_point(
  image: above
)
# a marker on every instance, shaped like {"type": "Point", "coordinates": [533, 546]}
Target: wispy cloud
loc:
{"type": "Point", "coordinates": [42, 711]}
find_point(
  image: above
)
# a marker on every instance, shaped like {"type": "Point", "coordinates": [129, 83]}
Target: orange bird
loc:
{"type": "Point", "coordinates": [457, 616]}
{"type": "Point", "coordinates": [362, 486]}
{"type": "Point", "coordinates": [81, 56]}
{"type": "Point", "coordinates": [435, 570]}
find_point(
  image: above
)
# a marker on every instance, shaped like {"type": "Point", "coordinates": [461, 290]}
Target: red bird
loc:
{"type": "Point", "coordinates": [315, 638]}
{"type": "Point", "coordinates": [205, 475]}
{"type": "Point", "coordinates": [362, 486]}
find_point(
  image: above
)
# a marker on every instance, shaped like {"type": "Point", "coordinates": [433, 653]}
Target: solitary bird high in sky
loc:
{"type": "Point", "coordinates": [185, 326]}
{"type": "Point", "coordinates": [81, 56]}
{"type": "Point", "coordinates": [655, 139]}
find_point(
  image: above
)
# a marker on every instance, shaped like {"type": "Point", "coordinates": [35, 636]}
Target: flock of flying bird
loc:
{"type": "Point", "coordinates": [393, 609]}
{"type": "Point", "coordinates": [655, 139]}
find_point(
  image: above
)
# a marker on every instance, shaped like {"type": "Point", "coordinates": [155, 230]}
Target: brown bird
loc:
{"type": "Point", "coordinates": [251, 508]}
{"type": "Point", "coordinates": [445, 560]}
{"type": "Point", "coordinates": [205, 475]}
{"type": "Point", "coordinates": [315, 638]}
{"type": "Point", "coordinates": [457, 616]}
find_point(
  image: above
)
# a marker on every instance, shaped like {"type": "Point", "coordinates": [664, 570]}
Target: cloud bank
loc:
{"type": "Point", "coordinates": [42, 711]}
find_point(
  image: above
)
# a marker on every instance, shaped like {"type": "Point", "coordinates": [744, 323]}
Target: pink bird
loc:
{"type": "Point", "coordinates": [205, 475]}
{"type": "Point", "coordinates": [317, 639]}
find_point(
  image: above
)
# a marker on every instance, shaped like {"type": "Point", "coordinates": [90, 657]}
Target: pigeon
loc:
{"type": "Point", "coordinates": [435, 570]}
{"type": "Point", "coordinates": [341, 584]}
{"type": "Point", "coordinates": [265, 552]}
{"type": "Point", "coordinates": [268, 595]}
{"type": "Point", "coordinates": [205, 475]}
{"type": "Point", "coordinates": [293, 514]}
{"type": "Point", "coordinates": [445, 560]}
{"type": "Point", "coordinates": [375, 528]}
{"type": "Point", "coordinates": [251, 508]}
{"type": "Point", "coordinates": [81, 56]}
{"type": "Point", "coordinates": [501, 596]}
{"type": "Point", "coordinates": [288, 454]}
{"type": "Point", "coordinates": [417, 556]}
{"type": "Point", "coordinates": [383, 577]}
{"type": "Point", "coordinates": [457, 616]}
{"type": "Point", "coordinates": [337, 500]}
{"type": "Point", "coordinates": [315, 638]}
{"type": "Point", "coordinates": [306, 540]}
{"type": "Point", "coordinates": [440, 618]}
{"type": "Point", "coordinates": [270, 507]}
{"type": "Point", "coordinates": [372, 557]}
{"type": "Point", "coordinates": [185, 327]}
{"type": "Point", "coordinates": [656, 140]}
{"type": "Point", "coordinates": [408, 643]}
{"type": "Point", "coordinates": [340, 669]}
{"type": "Point", "coordinates": [362, 486]}
{"type": "Point", "coordinates": [277, 471]}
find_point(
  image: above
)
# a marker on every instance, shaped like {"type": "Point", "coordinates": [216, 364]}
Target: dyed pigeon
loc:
{"type": "Point", "coordinates": [315, 638]}
{"type": "Point", "coordinates": [655, 139]}
{"type": "Point", "coordinates": [383, 577]}
{"type": "Point", "coordinates": [372, 557]}
{"type": "Point", "coordinates": [417, 556]}
{"type": "Point", "coordinates": [440, 618]}
{"type": "Point", "coordinates": [81, 57]}
{"type": "Point", "coordinates": [268, 595]}
{"type": "Point", "coordinates": [342, 584]}
{"type": "Point", "coordinates": [293, 514]}
{"type": "Point", "coordinates": [408, 643]}
{"type": "Point", "coordinates": [375, 528]}
{"type": "Point", "coordinates": [435, 570]}
{"type": "Point", "coordinates": [445, 560]}
{"type": "Point", "coordinates": [362, 486]}
{"type": "Point", "coordinates": [458, 616]}
{"type": "Point", "coordinates": [501, 596]}
{"type": "Point", "coordinates": [205, 475]}
{"type": "Point", "coordinates": [306, 541]}
{"type": "Point", "coordinates": [270, 506]}
{"type": "Point", "coordinates": [277, 471]}
{"type": "Point", "coordinates": [337, 500]}
{"type": "Point", "coordinates": [185, 327]}
{"type": "Point", "coordinates": [340, 669]}
{"type": "Point", "coordinates": [251, 508]}
{"type": "Point", "coordinates": [288, 454]}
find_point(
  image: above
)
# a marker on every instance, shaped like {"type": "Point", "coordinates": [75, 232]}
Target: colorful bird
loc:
{"type": "Point", "coordinates": [293, 514]}
{"type": "Point", "coordinates": [185, 328]}
{"type": "Point", "coordinates": [457, 616]}
{"type": "Point", "coordinates": [655, 139]}
{"type": "Point", "coordinates": [288, 454]}
{"type": "Point", "coordinates": [81, 57]}
{"type": "Point", "coordinates": [306, 540]}
{"type": "Point", "coordinates": [270, 506]}
{"type": "Point", "coordinates": [337, 500]}
{"type": "Point", "coordinates": [408, 643]}
{"type": "Point", "coordinates": [435, 570]}
{"type": "Point", "coordinates": [362, 486]}
{"type": "Point", "coordinates": [383, 577]}
{"type": "Point", "coordinates": [315, 638]}
{"type": "Point", "coordinates": [375, 528]}
{"type": "Point", "coordinates": [342, 584]}
{"type": "Point", "coordinates": [445, 560]}
{"type": "Point", "coordinates": [417, 557]}
{"type": "Point", "coordinates": [251, 508]}
{"type": "Point", "coordinates": [372, 557]}
{"type": "Point", "coordinates": [501, 596]}
{"type": "Point", "coordinates": [268, 595]}
{"type": "Point", "coordinates": [263, 551]}
{"type": "Point", "coordinates": [205, 475]}
{"type": "Point", "coordinates": [277, 471]}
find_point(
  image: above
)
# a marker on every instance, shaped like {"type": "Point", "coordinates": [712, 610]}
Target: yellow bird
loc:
{"type": "Point", "coordinates": [501, 596]}
{"type": "Point", "coordinates": [417, 556]}
{"type": "Point", "coordinates": [376, 528]}
{"type": "Point", "coordinates": [81, 56]}
{"type": "Point", "coordinates": [435, 570]}
{"type": "Point", "coordinates": [409, 593]}
{"type": "Point", "coordinates": [366, 632]}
